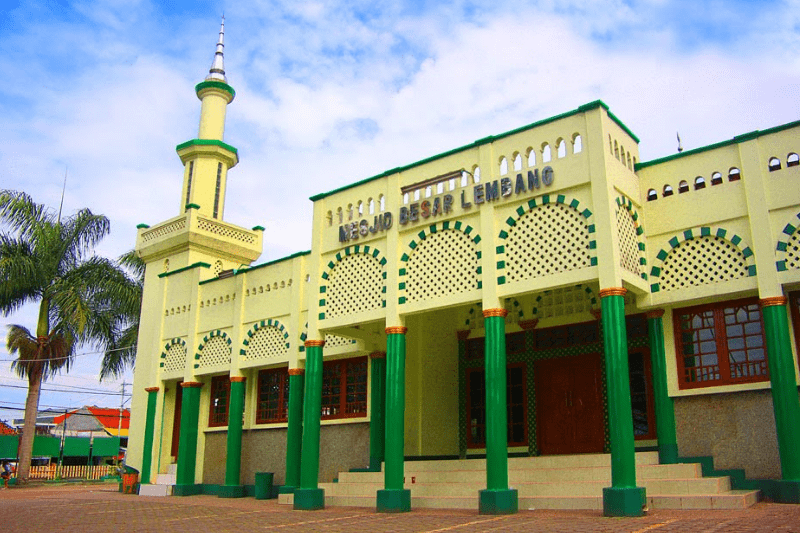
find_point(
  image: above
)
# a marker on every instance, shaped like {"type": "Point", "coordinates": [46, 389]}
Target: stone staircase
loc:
{"type": "Point", "coordinates": [163, 484]}
{"type": "Point", "coordinates": [549, 482]}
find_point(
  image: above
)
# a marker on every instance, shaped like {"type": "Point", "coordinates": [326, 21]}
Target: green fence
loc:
{"type": "Point", "coordinates": [50, 446]}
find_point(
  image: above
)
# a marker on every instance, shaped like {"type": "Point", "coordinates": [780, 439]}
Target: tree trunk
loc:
{"type": "Point", "coordinates": [29, 430]}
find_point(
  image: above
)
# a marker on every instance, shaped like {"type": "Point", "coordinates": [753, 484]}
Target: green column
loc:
{"type": "Point", "coordinates": [233, 459]}
{"type": "Point", "coordinates": [149, 425]}
{"type": "Point", "coordinates": [309, 496]}
{"type": "Point", "coordinates": [623, 498]}
{"type": "Point", "coordinates": [393, 498]}
{"type": "Point", "coordinates": [497, 498]}
{"type": "Point", "coordinates": [784, 397]}
{"type": "Point", "coordinates": [377, 399]}
{"type": "Point", "coordinates": [294, 431]}
{"type": "Point", "coordinates": [187, 446]}
{"type": "Point", "coordinates": [664, 408]}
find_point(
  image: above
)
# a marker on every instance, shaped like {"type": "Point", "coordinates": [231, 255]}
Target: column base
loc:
{"type": "Point", "coordinates": [187, 490]}
{"type": "Point", "coordinates": [394, 501]}
{"type": "Point", "coordinates": [624, 501]}
{"type": "Point", "coordinates": [668, 454]}
{"type": "Point", "coordinates": [286, 489]}
{"type": "Point", "coordinates": [309, 499]}
{"type": "Point", "coordinates": [492, 501]}
{"type": "Point", "coordinates": [375, 464]}
{"type": "Point", "coordinates": [231, 491]}
{"type": "Point", "coordinates": [787, 491]}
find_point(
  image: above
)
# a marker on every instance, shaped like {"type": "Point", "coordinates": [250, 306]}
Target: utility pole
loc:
{"type": "Point", "coordinates": [61, 448]}
{"type": "Point", "coordinates": [119, 426]}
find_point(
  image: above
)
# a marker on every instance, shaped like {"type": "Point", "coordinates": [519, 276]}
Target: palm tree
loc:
{"type": "Point", "coordinates": [48, 260]}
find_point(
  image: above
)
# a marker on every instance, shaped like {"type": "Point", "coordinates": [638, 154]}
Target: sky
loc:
{"type": "Point", "coordinates": [329, 93]}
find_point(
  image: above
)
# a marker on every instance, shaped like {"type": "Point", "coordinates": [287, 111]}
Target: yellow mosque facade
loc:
{"type": "Point", "coordinates": [537, 295]}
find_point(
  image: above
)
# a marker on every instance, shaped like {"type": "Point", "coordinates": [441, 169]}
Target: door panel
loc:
{"type": "Point", "coordinates": [176, 421]}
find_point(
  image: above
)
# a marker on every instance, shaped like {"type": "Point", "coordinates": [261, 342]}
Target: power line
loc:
{"type": "Point", "coordinates": [83, 392]}
{"type": "Point", "coordinates": [74, 355]}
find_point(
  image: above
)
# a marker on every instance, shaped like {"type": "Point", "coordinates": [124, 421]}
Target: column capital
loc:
{"type": "Point", "coordinates": [377, 355]}
{"type": "Point", "coordinates": [399, 330]}
{"type": "Point", "coordinates": [238, 379]}
{"type": "Point", "coordinates": [296, 371]}
{"type": "Point", "coordinates": [312, 343]}
{"type": "Point", "coordinates": [654, 313]}
{"type": "Point", "coordinates": [528, 324]}
{"type": "Point", "coordinates": [191, 384]}
{"type": "Point", "coordinates": [495, 312]}
{"type": "Point", "coordinates": [774, 300]}
{"type": "Point", "coordinates": [613, 291]}
{"type": "Point", "coordinates": [151, 389]}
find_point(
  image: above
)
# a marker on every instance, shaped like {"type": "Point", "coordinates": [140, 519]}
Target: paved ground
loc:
{"type": "Point", "coordinates": [90, 508]}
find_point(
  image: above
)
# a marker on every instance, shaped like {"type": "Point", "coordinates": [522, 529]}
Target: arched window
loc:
{"type": "Point", "coordinates": [340, 215]}
{"type": "Point", "coordinates": [774, 164]}
{"type": "Point", "coordinates": [616, 150]}
{"type": "Point", "coordinates": [371, 203]}
{"type": "Point", "coordinates": [360, 208]}
{"type": "Point", "coordinates": [517, 161]}
{"type": "Point", "coordinates": [464, 175]}
{"type": "Point", "coordinates": [545, 153]}
{"type": "Point", "coordinates": [622, 154]}
{"type": "Point", "coordinates": [734, 174]}
{"type": "Point", "coordinates": [405, 198]}
{"type": "Point", "coordinates": [382, 202]}
{"type": "Point", "coordinates": [562, 148]}
{"type": "Point", "coordinates": [610, 148]}
{"type": "Point", "coordinates": [452, 184]}
{"type": "Point", "coordinates": [629, 161]}
{"type": "Point", "coordinates": [428, 191]}
{"type": "Point", "coordinates": [667, 190]}
{"type": "Point", "coordinates": [683, 187]}
{"type": "Point", "coordinates": [416, 195]}
{"type": "Point", "coordinates": [577, 144]}
{"type": "Point", "coordinates": [440, 187]}
{"type": "Point", "coordinates": [531, 157]}
{"type": "Point", "coordinates": [349, 211]}
{"type": "Point", "coordinates": [716, 178]}
{"type": "Point", "coordinates": [652, 195]}
{"type": "Point", "coordinates": [699, 183]}
{"type": "Point", "coordinates": [792, 160]}
{"type": "Point", "coordinates": [329, 217]}
{"type": "Point", "coordinates": [503, 166]}
{"type": "Point", "coordinates": [476, 174]}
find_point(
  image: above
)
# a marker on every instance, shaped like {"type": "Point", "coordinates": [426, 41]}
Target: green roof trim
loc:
{"type": "Point", "coordinates": [274, 261]}
{"type": "Point", "coordinates": [216, 85]}
{"type": "Point", "coordinates": [206, 142]}
{"type": "Point", "coordinates": [194, 265]}
{"type": "Point", "coordinates": [142, 226]}
{"type": "Point", "coordinates": [737, 139]}
{"type": "Point", "coordinates": [480, 142]}
{"type": "Point", "coordinates": [258, 228]}
{"type": "Point", "coordinates": [192, 206]}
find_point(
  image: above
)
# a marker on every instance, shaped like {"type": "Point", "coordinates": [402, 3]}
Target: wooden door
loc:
{"type": "Point", "coordinates": [176, 421]}
{"type": "Point", "coordinates": [569, 411]}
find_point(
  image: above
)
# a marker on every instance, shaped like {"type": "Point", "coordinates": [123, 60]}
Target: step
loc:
{"type": "Point", "coordinates": [165, 479]}
{"type": "Point", "coordinates": [155, 490]}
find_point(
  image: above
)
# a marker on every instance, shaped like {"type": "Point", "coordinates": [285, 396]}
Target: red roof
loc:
{"type": "Point", "coordinates": [110, 417]}
{"type": "Point", "coordinates": [5, 429]}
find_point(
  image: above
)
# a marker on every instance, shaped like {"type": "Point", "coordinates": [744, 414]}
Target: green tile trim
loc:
{"type": "Point", "coordinates": [782, 246]}
{"type": "Point", "coordinates": [323, 289]}
{"type": "Point", "coordinates": [501, 280]}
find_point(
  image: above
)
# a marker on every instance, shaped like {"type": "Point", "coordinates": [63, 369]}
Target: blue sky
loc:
{"type": "Point", "coordinates": [329, 93]}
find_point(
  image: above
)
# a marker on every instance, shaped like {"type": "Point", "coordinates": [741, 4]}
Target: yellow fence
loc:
{"type": "Point", "coordinates": [71, 472]}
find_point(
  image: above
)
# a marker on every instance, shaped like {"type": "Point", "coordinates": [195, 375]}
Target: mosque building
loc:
{"type": "Point", "coordinates": [536, 319]}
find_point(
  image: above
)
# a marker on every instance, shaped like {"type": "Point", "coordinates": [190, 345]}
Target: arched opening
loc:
{"type": "Point", "coordinates": [716, 178]}
{"type": "Point", "coordinates": [683, 187]}
{"type": "Point", "coordinates": [652, 195]}
{"type": "Point", "coordinates": [561, 145]}
{"type": "Point", "coordinates": [699, 183]}
{"type": "Point", "coordinates": [371, 203]}
{"type": "Point", "coordinates": [792, 160]}
{"type": "Point", "coordinates": [517, 161]}
{"type": "Point", "coordinates": [503, 166]}
{"type": "Point", "coordinates": [546, 153]}
{"type": "Point", "coordinates": [531, 157]}
{"type": "Point", "coordinates": [329, 218]}
{"type": "Point", "coordinates": [667, 191]}
{"type": "Point", "coordinates": [734, 174]}
{"type": "Point", "coordinates": [577, 144]}
{"type": "Point", "coordinates": [774, 164]}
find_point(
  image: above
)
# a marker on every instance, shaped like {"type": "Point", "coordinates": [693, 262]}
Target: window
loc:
{"type": "Point", "coordinates": [652, 195]}
{"type": "Point", "coordinates": [344, 388]}
{"type": "Point", "coordinates": [683, 187]}
{"type": "Point", "coordinates": [503, 166]}
{"type": "Point", "coordinates": [774, 164]}
{"type": "Point", "coordinates": [716, 178]}
{"type": "Point", "coordinates": [792, 160]}
{"type": "Point", "coordinates": [218, 407]}
{"type": "Point", "coordinates": [667, 191]}
{"type": "Point", "coordinates": [273, 396]}
{"type": "Point", "coordinates": [699, 183]}
{"type": "Point", "coordinates": [640, 376]}
{"type": "Point", "coordinates": [720, 344]}
{"type": "Point", "coordinates": [734, 174]}
{"type": "Point", "coordinates": [516, 401]}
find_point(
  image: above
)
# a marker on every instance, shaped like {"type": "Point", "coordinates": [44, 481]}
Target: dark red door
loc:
{"type": "Point", "coordinates": [176, 421]}
{"type": "Point", "coordinates": [569, 408]}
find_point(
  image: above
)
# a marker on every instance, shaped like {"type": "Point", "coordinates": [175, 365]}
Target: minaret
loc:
{"type": "Point", "coordinates": [207, 158]}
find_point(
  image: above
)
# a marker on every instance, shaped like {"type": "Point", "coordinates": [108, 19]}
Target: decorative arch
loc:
{"type": "Point", "coordinates": [334, 340]}
{"type": "Point", "coordinates": [173, 358]}
{"type": "Point", "coordinates": [433, 232]}
{"type": "Point", "coordinates": [629, 232]}
{"type": "Point", "coordinates": [340, 296]}
{"type": "Point", "coordinates": [267, 336]}
{"type": "Point", "coordinates": [788, 247]}
{"type": "Point", "coordinates": [209, 343]}
{"type": "Point", "coordinates": [512, 222]}
{"type": "Point", "coordinates": [707, 234]}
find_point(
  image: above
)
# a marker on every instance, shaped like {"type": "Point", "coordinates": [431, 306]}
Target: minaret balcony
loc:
{"type": "Point", "coordinates": [202, 237]}
{"type": "Point", "coordinates": [208, 148]}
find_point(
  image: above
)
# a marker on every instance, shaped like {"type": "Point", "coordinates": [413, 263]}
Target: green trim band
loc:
{"type": "Point", "coordinates": [480, 142]}
{"type": "Point", "coordinates": [142, 226]}
{"type": "Point", "coordinates": [737, 139]}
{"type": "Point", "coordinates": [193, 265]}
{"type": "Point", "coordinates": [207, 142]}
{"type": "Point", "coordinates": [211, 84]}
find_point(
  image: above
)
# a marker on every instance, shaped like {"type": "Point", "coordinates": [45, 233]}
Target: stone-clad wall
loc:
{"type": "Point", "coordinates": [342, 447]}
{"type": "Point", "coordinates": [737, 429]}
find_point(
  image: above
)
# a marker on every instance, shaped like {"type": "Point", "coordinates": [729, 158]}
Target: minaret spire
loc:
{"type": "Point", "coordinates": [217, 70]}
